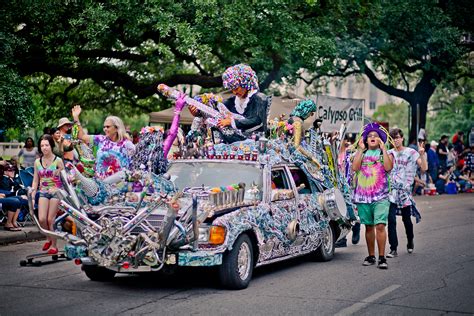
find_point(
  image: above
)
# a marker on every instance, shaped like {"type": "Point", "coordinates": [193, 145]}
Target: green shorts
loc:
{"type": "Point", "coordinates": [373, 213]}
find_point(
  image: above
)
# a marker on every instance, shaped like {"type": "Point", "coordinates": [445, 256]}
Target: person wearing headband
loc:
{"type": "Point", "coordinates": [372, 165]}
{"type": "Point", "coordinates": [246, 101]}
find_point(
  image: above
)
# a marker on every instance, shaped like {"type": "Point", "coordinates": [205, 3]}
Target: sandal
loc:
{"type": "Point", "coordinates": [46, 245]}
{"type": "Point", "coordinates": [12, 229]}
{"type": "Point", "coordinates": [53, 251]}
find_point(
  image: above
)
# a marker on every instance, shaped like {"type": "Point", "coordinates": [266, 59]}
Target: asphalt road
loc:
{"type": "Point", "coordinates": [438, 278]}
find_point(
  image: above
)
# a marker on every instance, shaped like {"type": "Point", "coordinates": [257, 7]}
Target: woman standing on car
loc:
{"type": "Point", "coordinates": [46, 177]}
{"type": "Point", "coordinates": [114, 149]}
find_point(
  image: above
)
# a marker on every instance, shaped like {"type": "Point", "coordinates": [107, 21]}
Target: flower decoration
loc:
{"type": "Point", "coordinates": [280, 128]}
{"type": "Point", "coordinates": [151, 129]}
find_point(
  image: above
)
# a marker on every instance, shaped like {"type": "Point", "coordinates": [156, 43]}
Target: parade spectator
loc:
{"type": "Point", "coordinates": [422, 182]}
{"type": "Point", "coordinates": [247, 101]}
{"type": "Point", "coordinates": [66, 148]}
{"type": "Point", "coordinates": [371, 165]}
{"type": "Point", "coordinates": [405, 164]}
{"type": "Point", "coordinates": [11, 197]}
{"type": "Point", "coordinates": [135, 137]}
{"type": "Point", "coordinates": [471, 137]}
{"type": "Point", "coordinates": [114, 149]}
{"type": "Point", "coordinates": [461, 177]}
{"type": "Point", "coordinates": [443, 178]}
{"type": "Point", "coordinates": [47, 131]}
{"type": "Point", "coordinates": [433, 161]}
{"type": "Point", "coordinates": [345, 166]}
{"type": "Point", "coordinates": [46, 180]}
{"type": "Point", "coordinates": [469, 161]}
{"type": "Point", "coordinates": [442, 151]}
{"type": "Point", "coordinates": [452, 156]}
{"type": "Point", "coordinates": [16, 165]}
{"type": "Point", "coordinates": [28, 154]}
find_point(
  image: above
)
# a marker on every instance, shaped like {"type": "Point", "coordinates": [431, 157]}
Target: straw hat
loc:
{"type": "Point", "coordinates": [64, 121]}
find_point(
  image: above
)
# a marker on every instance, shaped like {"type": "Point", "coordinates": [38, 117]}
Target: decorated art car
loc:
{"type": "Point", "coordinates": [241, 206]}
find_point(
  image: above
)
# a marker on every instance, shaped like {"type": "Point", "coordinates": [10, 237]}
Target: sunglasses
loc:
{"type": "Point", "coordinates": [109, 126]}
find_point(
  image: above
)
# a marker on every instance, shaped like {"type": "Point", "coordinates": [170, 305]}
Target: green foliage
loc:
{"type": "Point", "coordinates": [110, 55]}
{"type": "Point", "coordinates": [396, 114]}
{"type": "Point", "coordinates": [15, 102]}
{"type": "Point", "coordinates": [453, 108]}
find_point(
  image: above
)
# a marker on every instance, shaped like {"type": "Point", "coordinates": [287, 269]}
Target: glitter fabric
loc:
{"type": "Point", "coordinates": [240, 75]}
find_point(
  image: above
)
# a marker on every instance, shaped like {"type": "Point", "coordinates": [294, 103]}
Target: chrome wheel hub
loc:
{"type": "Point", "coordinates": [328, 240]}
{"type": "Point", "coordinates": [243, 261]}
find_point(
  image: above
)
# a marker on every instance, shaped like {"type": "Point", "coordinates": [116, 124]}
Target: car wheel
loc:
{"type": "Point", "coordinates": [237, 265]}
{"type": "Point", "coordinates": [325, 252]}
{"type": "Point", "coordinates": [96, 273]}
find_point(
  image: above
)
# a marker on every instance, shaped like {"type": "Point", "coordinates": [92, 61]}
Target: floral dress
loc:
{"type": "Point", "coordinates": [111, 156]}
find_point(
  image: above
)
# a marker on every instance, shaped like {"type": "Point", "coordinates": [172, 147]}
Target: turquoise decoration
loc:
{"type": "Point", "coordinates": [304, 109]}
{"type": "Point", "coordinates": [73, 252]}
{"type": "Point", "coordinates": [199, 259]}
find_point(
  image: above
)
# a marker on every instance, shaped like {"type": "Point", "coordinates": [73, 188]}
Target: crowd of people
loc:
{"type": "Point", "coordinates": [450, 166]}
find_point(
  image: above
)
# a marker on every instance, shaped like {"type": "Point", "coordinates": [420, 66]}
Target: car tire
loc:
{"type": "Point", "coordinates": [325, 252]}
{"type": "Point", "coordinates": [96, 273]}
{"type": "Point", "coordinates": [237, 265]}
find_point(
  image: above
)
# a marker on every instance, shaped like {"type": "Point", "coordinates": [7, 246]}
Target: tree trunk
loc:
{"type": "Point", "coordinates": [419, 109]}
{"type": "Point", "coordinates": [418, 100]}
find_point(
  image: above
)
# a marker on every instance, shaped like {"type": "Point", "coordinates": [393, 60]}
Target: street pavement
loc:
{"type": "Point", "coordinates": [437, 279]}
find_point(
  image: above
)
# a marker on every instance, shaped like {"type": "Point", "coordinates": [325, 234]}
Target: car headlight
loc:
{"type": "Point", "coordinates": [217, 235]}
{"type": "Point", "coordinates": [214, 235]}
{"type": "Point", "coordinates": [204, 234]}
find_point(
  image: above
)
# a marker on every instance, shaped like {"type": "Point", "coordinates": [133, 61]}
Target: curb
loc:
{"type": "Point", "coordinates": [22, 236]}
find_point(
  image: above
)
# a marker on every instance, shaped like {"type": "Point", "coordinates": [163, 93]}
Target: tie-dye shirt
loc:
{"type": "Point", "coordinates": [403, 175]}
{"type": "Point", "coordinates": [371, 181]}
{"type": "Point", "coordinates": [111, 156]}
{"type": "Point", "coordinates": [47, 178]}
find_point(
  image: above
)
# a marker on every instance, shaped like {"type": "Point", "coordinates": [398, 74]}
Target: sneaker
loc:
{"type": "Point", "coordinates": [392, 254]}
{"type": "Point", "coordinates": [382, 263]}
{"type": "Point", "coordinates": [369, 261]}
{"type": "Point", "coordinates": [410, 246]}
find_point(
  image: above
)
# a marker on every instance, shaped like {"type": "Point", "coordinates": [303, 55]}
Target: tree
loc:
{"type": "Point", "coordinates": [114, 53]}
{"type": "Point", "coordinates": [453, 108]}
{"type": "Point", "coordinates": [396, 114]}
{"type": "Point", "coordinates": [15, 103]}
{"type": "Point", "coordinates": [405, 48]}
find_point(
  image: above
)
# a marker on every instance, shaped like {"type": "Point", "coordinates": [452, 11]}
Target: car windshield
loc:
{"type": "Point", "coordinates": [214, 174]}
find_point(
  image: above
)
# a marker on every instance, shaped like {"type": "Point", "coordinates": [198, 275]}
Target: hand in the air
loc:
{"type": "Point", "coordinates": [76, 111]}
{"type": "Point", "coordinates": [381, 144]}
{"type": "Point", "coordinates": [361, 144]}
{"type": "Point", "coordinates": [180, 103]}
{"type": "Point", "coordinates": [421, 148]}
{"type": "Point", "coordinates": [224, 122]}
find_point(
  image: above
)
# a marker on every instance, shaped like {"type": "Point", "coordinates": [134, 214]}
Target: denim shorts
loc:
{"type": "Point", "coordinates": [47, 195]}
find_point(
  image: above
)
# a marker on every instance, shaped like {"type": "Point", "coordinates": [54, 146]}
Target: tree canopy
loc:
{"type": "Point", "coordinates": [405, 48]}
{"type": "Point", "coordinates": [112, 54]}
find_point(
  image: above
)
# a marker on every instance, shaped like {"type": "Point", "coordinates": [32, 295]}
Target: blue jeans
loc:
{"type": "Point", "coordinates": [392, 225]}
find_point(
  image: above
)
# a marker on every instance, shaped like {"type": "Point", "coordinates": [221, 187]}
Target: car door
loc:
{"type": "Point", "coordinates": [282, 210]}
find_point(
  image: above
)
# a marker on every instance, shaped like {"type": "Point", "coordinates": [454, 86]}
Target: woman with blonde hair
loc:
{"type": "Point", "coordinates": [114, 149]}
